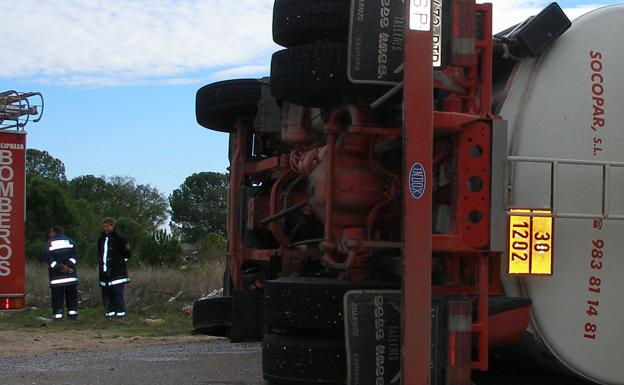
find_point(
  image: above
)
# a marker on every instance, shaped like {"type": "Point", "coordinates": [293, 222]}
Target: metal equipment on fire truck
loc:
{"type": "Point", "coordinates": [395, 222]}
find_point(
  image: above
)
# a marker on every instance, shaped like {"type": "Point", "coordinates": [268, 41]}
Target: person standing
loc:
{"type": "Point", "coordinates": [113, 252]}
{"type": "Point", "coordinates": [61, 254]}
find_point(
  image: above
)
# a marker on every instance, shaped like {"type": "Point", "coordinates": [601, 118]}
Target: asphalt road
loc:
{"type": "Point", "coordinates": [217, 362]}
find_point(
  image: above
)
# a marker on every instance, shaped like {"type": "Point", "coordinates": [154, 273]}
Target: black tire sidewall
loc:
{"type": "Point", "coordinates": [217, 105]}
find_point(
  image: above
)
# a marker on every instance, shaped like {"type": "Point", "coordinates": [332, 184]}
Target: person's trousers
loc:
{"type": "Point", "coordinates": [113, 300]}
{"type": "Point", "coordinates": [62, 295]}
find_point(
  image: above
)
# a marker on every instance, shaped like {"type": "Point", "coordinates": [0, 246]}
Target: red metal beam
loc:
{"type": "Point", "coordinates": [451, 243]}
{"type": "Point", "coordinates": [418, 154]}
{"type": "Point", "coordinates": [237, 176]}
{"type": "Point", "coordinates": [262, 165]}
{"type": "Point", "coordinates": [451, 122]}
{"type": "Point", "coordinates": [486, 59]}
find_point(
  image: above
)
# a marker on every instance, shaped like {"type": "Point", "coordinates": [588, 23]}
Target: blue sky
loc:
{"type": "Point", "coordinates": [119, 77]}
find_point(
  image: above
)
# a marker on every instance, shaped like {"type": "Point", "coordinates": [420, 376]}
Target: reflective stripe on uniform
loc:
{"type": "Point", "coordinates": [60, 244]}
{"type": "Point", "coordinates": [110, 314]}
{"type": "Point", "coordinates": [105, 256]}
{"type": "Point", "coordinates": [118, 281]}
{"type": "Point", "coordinates": [72, 260]}
{"type": "Point", "coordinates": [121, 314]}
{"type": "Point", "coordinates": [72, 312]}
{"type": "Point", "coordinates": [52, 264]}
{"type": "Point", "coordinates": [102, 283]}
{"type": "Point", "coordinates": [58, 316]}
{"type": "Point", "coordinates": [63, 280]}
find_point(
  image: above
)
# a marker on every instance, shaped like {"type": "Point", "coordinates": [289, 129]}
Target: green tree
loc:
{"type": "Point", "coordinates": [120, 196]}
{"type": "Point", "coordinates": [43, 164]}
{"type": "Point", "coordinates": [46, 205]}
{"type": "Point", "coordinates": [135, 234]}
{"type": "Point", "coordinates": [143, 203]}
{"type": "Point", "coordinates": [198, 206]}
{"type": "Point", "coordinates": [91, 188]}
{"type": "Point", "coordinates": [85, 228]}
{"type": "Point", "coordinates": [80, 204]}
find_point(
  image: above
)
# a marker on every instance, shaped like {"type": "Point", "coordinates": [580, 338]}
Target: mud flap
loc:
{"type": "Point", "coordinates": [373, 336]}
{"type": "Point", "coordinates": [376, 38]}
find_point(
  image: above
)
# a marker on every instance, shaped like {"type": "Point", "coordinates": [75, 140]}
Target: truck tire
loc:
{"type": "Point", "coordinates": [217, 105]}
{"type": "Point", "coordinates": [297, 360]}
{"type": "Point", "coordinates": [315, 75]}
{"type": "Point", "coordinates": [213, 316]}
{"type": "Point", "coordinates": [310, 304]}
{"type": "Point", "coordinates": [298, 22]}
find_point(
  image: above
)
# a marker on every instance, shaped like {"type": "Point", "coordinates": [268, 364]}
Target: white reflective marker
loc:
{"type": "Point", "coordinates": [420, 15]}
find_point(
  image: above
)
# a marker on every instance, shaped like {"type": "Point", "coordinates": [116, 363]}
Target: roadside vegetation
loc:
{"type": "Point", "coordinates": [169, 269]}
{"type": "Point", "coordinates": [159, 301]}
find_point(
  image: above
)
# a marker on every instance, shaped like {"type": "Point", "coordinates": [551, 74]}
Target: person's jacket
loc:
{"type": "Point", "coordinates": [113, 253]}
{"type": "Point", "coordinates": [61, 254]}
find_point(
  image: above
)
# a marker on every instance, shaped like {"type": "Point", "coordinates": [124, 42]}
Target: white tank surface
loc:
{"type": "Point", "coordinates": [568, 104]}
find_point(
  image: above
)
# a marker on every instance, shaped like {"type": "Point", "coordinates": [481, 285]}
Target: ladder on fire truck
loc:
{"type": "Point", "coordinates": [17, 109]}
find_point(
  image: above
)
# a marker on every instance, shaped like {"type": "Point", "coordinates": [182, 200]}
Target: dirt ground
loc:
{"type": "Point", "coordinates": [18, 343]}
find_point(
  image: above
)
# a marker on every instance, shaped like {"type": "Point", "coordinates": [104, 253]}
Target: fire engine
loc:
{"type": "Point", "coordinates": [409, 191]}
{"type": "Point", "coordinates": [17, 109]}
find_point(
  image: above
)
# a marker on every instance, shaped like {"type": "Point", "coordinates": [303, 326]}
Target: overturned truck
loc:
{"type": "Point", "coordinates": [389, 222]}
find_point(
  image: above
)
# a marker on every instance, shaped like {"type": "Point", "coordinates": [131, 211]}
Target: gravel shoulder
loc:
{"type": "Point", "coordinates": [209, 362]}
{"type": "Point", "coordinates": [23, 343]}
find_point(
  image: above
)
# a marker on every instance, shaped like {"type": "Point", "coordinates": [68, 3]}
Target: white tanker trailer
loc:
{"type": "Point", "coordinates": [565, 113]}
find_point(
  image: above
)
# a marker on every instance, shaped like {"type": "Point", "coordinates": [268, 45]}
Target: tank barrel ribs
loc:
{"type": "Point", "coordinates": [17, 109]}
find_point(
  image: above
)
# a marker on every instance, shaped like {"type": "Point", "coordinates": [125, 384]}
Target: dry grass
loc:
{"type": "Point", "coordinates": [149, 286]}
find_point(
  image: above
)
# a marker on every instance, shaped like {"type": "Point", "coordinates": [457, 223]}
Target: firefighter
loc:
{"type": "Point", "coordinates": [113, 252]}
{"type": "Point", "coordinates": [62, 255]}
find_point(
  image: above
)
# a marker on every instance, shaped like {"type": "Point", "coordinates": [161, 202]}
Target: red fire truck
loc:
{"type": "Point", "coordinates": [17, 109]}
{"type": "Point", "coordinates": [388, 222]}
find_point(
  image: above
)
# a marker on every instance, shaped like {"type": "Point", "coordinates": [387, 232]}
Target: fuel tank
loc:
{"type": "Point", "coordinates": [567, 107]}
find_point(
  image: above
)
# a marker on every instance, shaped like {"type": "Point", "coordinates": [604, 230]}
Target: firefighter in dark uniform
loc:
{"type": "Point", "coordinates": [62, 255]}
{"type": "Point", "coordinates": [113, 252]}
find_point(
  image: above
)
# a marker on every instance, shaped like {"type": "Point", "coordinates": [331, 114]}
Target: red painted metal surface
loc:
{"type": "Point", "coordinates": [507, 327]}
{"type": "Point", "coordinates": [481, 323]}
{"type": "Point", "coordinates": [12, 200]}
{"type": "Point", "coordinates": [237, 164]}
{"type": "Point", "coordinates": [473, 184]}
{"type": "Point", "coordinates": [417, 215]}
{"type": "Point", "coordinates": [366, 187]}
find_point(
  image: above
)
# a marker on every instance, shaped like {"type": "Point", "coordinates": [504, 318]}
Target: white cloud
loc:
{"type": "Point", "coordinates": [115, 42]}
{"type": "Point", "coordinates": [91, 42]}
{"type": "Point", "coordinates": [242, 71]}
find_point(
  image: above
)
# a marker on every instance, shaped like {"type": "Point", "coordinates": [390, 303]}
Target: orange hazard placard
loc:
{"type": "Point", "coordinates": [12, 197]}
{"type": "Point", "coordinates": [530, 243]}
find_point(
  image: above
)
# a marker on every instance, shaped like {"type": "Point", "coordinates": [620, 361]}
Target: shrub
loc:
{"type": "Point", "coordinates": [149, 286]}
{"type": "Point", "coordinates": [161, 249]}
{"type": "Point", "coordinates": [211, 247]}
